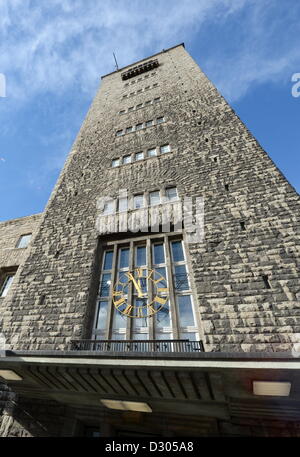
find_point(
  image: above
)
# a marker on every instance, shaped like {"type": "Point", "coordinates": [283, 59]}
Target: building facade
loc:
{"type": "Point", "coordinates": [163, 278]}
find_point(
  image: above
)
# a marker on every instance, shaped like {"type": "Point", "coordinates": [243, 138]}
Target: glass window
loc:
{"type": "Point", "coordinates": [105, 285]}
{"type": "Point", "coordinates": [119, 132]}
{"type": "Point", "coordinates": [140, 105]}
{"type": "Point", "coordinates": [160, 120]}
{"type": "Point", "coordinates": [171, 193]}
{"type": "Point", "coordinates": [109, 207]}
{"type": "Point", "coordinates": [102, 315]}
{"type": "Point", "coordinates": [6, 285]}
{"type": "Point", "coordinates": [108, 258]}
{"type": "Point", "coordinates": [148, 102]}
{"type": "Point", "coordinates": [139, 156]}
{"type": "Point", "coordinates": [130, 109]}
{"type": "Point", "coordinates": [176, 300]}
{"type": "Point", "coordinates": [149, 123]}
{"type": "Point", "coordinates": [127, 159]}
{"type": "Point", "coordinates": [181, 281]}
{"type": "Point", "coordinates": [138, 201]}
{"type": "Point", "coordinates": [186, 316]}
{"type": "Point", "coordinates": [139, 126]}
{"type": "Point", "coordinates": [157, 99]}
{"type": "Point", "coordinates": [129, 129]}
{"type": "Point", "coordinates": [141, 256]}
{"type": "Point", "coordinates": [122, 111]}
{"type": "Point", "coordinates": [177, 251]}
{"type": "Point", "coordinates": [124, 258]}
{"type": "Point", "coordinates": [165, 148]}
{"type": "Point", "coordinates": [154, 198]}
{"type": "Point", "coordinates": [151, 152]}
{"type": "Point", "coordinates": [159, 253]}
{"type": "Point", "coordinates": [123, 204]}
{"type": "Point", "coordinates": [115, 163]}
{"type": "Point", "coordinates": [24, 241]}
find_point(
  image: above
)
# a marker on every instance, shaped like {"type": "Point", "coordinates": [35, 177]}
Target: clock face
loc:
{"type": "Point", "coordinates": [141, 281]}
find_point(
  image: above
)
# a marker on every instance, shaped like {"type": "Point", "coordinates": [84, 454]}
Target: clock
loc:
{"type": "Point", "coordinates": [141, 280]}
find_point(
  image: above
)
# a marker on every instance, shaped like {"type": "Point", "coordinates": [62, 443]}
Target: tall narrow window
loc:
{"type": "Point", "coordinates": [6, 285]}
{"type": "Point", "coordinates": [171, 193]}
{"type": "Point", "coordinates": [24, 240]}
{"type": "Point", "coordinates": [138, 201]}
{"type": "Point", "coordinates": [115, 163]}
{"type": "Point", "coordinates": [139, 156]}
{"type": "Point", "coordinates": [127, 159]}
{"type": "Point", "coordinates": [151, 152]}
{"type": "Point", "coordinates": [154, 198]}
{"type": "Point", "coordinates": [109, 207]}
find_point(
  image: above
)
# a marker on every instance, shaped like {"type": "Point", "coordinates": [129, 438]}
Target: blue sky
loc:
{"type": "Point", "coordinates": [54, 52]}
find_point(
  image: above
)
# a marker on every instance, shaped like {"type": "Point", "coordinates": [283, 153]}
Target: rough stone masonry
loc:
{"type": "Point", "coordinates": [245, 271]}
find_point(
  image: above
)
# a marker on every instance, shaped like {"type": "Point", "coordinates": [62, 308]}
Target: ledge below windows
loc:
{"type": "Point", "coordinates": [144, 219]}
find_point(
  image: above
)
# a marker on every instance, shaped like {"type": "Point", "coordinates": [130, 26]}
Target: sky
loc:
{"type": "Point", "coordinates": [53, 53]}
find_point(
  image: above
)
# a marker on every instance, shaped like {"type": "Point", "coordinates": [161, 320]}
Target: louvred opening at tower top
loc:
{"type": "Point", "coordinates": [140, 69]}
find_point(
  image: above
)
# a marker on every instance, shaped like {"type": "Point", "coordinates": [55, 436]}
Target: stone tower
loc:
{"type": "Point", "coordinates": [158, 134]}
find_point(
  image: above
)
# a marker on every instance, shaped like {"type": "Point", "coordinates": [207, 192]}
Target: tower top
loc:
{"type": "Point", "coordinates": [141, 60]}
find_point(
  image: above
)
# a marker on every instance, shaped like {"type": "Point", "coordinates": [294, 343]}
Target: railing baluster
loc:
{"type": "Point", "coordinates": [146, 346]}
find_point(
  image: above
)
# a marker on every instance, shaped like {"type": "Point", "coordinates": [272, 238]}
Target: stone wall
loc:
{"type": "Point", "coordinates": [251, 216]}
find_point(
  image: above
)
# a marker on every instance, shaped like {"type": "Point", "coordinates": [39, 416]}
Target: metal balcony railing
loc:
{"type": "Point", "coordinates": [144, 346]}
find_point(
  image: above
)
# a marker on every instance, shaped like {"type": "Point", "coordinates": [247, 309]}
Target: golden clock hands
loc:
{"type": "Point", "coordinates": [136, 285]}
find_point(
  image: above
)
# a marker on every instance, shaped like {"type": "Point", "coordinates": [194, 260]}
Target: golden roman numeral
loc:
{"type": "Point", "coordinates": [162, 289]}
{"type": "Point", "coordinates": [119, 302]}
{"type": "Point", "coordinates": [140, 312]}
{"type": "Point", "coordinates": [127, 310]}
{"type": "Point", "coordinates": [139, 272]}
{"type": "Point", "coordinates": [160, 300]}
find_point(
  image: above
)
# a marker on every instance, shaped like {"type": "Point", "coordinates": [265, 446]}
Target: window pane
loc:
{"type": "Point", "coordinates": [139, 156]}
{"type": "Point", "coordinates": [108, 260]}
{"type": "Point", "coordinates": [139, 126]}
{"type": "Point", "coordinates": [119, 320]}
{"type": "Point", "coordinates": [141, 256]}
{"type": "Point", "coordinates": [160, 273]}
{"type": "Point", "coordinates": [163, 317]}
{"type": "Point", "coordinates": [24, 241]}
{"type": "Point", "coordinates": [157, 99]}
{"type": "Point", "coordinates": [105, 285]}
{"type": "Point", "coordinates": [139, 322]}
{"type": "Point", "coordinates": [127, 159]}
{"type": "Point", "coordinates": [130, 109]}
{"type": "Point", "coordinates": [154, 198]}
{"type": "Point", "coordinates": [149, 123]}
{"type": "Point", "coordinates": [171, 193]}
{"type": "Point", "coordinates": [123, 204]}
{"type": "Point", "coordinates": [102, 315]}
{"type": "Point", "coordinates": [6, 285]}
{"type": "Point", "coordinates": [159, 254]}
{"type": "Point", "coordinates": [138, 201]}
{"type": "Point", "coordinates": [188, 336]}
{"type": "Point", "coordinates": [165, 148]}
{"type": "Point", "coordinates": [186, 316]}
{"type": "Point", "coordinates": [181, 281]}
{"type": "Point", "coordinates": [115, 163]}
{"type": "Point", "coordinates": [119, 132]}
{"type": "Point", "coordinates": [159, 120]}
{"type": "Point", "coordinates": [177, 251]}
{"type": "Point", "coordinates": [124, 258]}
{"type": "Point", "coordinates": [163, 336]}
{"type": "Point", "coordinates": [129, 129]}
{"type": "Point", "coordinates": [109, 207]}
{"type": "Point", "coordinates": [148, 102]}
{"type": "Point", "coordinates": [139, 106]}
{"type": "Point", "coordinates": [152, 152]}
{"type": "Point", "coordinates": [140, 336]}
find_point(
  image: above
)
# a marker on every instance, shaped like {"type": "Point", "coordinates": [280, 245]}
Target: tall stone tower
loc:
{"type": "Point", "coordinates": [114, 259]}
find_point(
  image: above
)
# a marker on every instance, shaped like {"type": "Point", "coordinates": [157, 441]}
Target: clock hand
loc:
{"type": "Point", "coordinates": [136, 285]}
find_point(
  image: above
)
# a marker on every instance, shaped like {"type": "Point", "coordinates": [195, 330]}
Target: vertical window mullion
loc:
{"type": "Point", "coordinates": [173, 311]}
{"type": "Point", "coordinates": [150, 289]}
{"type": "Point", "coordinates": [130, 290]}
{"type": "Point", "coordinates": [110, 303]}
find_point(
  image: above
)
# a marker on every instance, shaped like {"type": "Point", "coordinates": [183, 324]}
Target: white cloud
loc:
{"type": "Point", "coordinates": [51, 46]}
